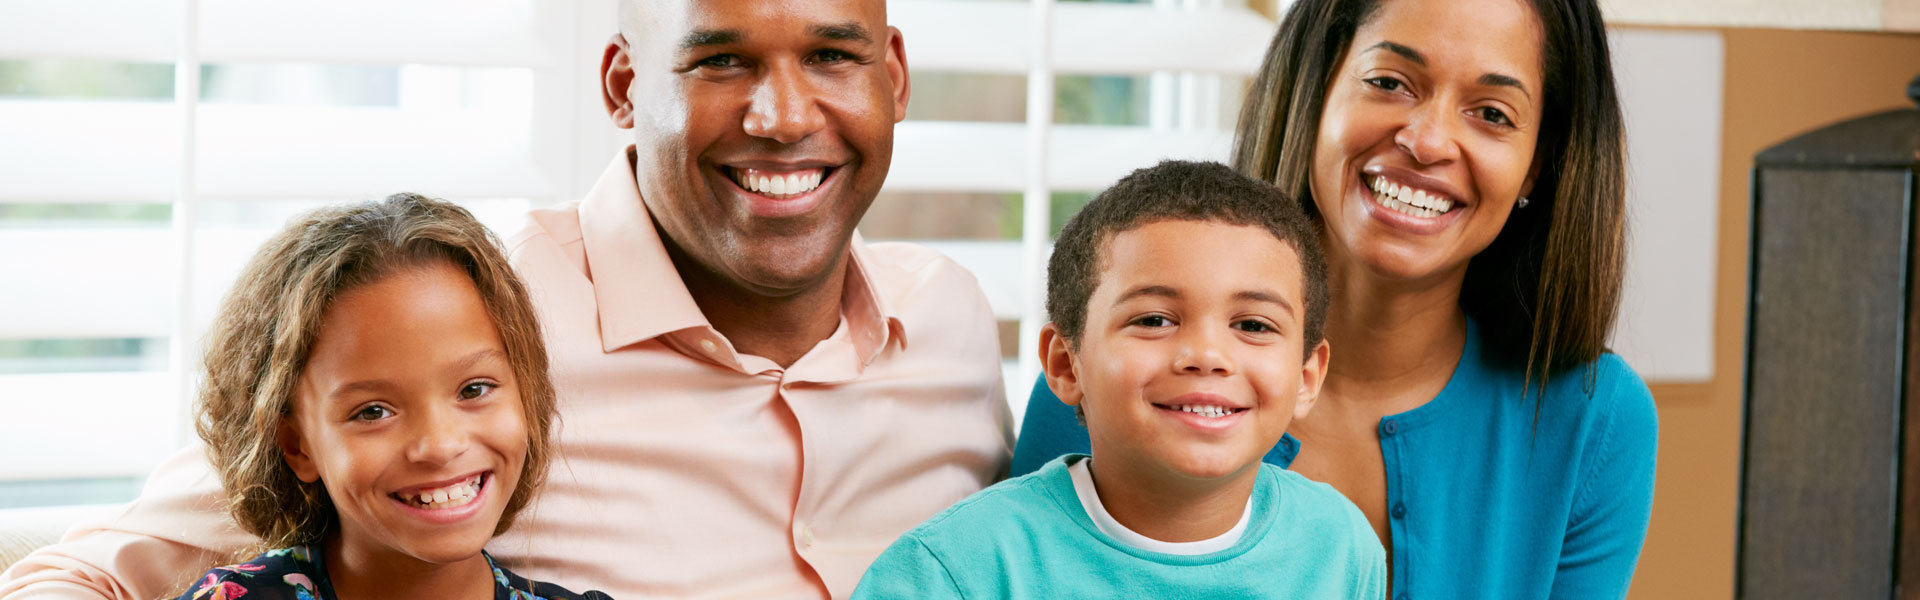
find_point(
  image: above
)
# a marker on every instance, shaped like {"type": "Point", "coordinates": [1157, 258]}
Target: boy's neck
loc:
{"type": "Point", "coordinates": [360, 575]}
{"type": "Point", "coordinates": [1171, 508]}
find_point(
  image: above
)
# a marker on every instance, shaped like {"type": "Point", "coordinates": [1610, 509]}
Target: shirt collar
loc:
{"type": "Point", "coordinates": [638, 292]}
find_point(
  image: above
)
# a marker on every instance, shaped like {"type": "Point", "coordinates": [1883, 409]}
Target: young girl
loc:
{"type": "Point", "coordinates": [378, 407]}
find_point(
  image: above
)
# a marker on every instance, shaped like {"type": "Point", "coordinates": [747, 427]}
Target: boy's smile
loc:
{"type": "Point", "coordinates": [1191, 364]}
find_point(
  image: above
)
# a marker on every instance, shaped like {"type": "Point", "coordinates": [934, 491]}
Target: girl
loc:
{"type": "Point", "coordinates": [378, 407]}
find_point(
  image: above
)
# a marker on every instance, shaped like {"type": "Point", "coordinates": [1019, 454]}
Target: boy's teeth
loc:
{"type": "Point", "coordinates": [1206, 410]}
{"type": "Point", "coordinates": [778, 184]}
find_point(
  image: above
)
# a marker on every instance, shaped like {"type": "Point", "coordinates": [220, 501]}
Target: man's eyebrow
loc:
{"type": "Point", "coordinates": [1264, 296]}
{"type": "Point", "coordinates": [1403, 51]}
{"type": "Point", "coordinates": [1150, 290]}
{"type": "Point", "coordinates": [1504, 80]}
{"type": "Point", "coordinates": [848, 31]}
{"type": "Point", "coordinates": [709, 37]}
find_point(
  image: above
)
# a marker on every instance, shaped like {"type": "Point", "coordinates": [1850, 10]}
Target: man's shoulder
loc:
{"type": "Point", "coordinates": [558, 225]}
{"type": "Point", "coordinates": [911, 275]}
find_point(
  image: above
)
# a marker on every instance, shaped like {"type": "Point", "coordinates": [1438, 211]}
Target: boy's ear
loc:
{"type": "Point", "coordinates": [1056, 357]}
{"type": "Point", "coordinates": [294, 448]}
{"type": "Point", "coordinates": [1313, 372]}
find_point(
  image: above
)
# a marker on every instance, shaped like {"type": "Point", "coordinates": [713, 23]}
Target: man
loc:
{"type": "Point", "coordinates": [754, 402]}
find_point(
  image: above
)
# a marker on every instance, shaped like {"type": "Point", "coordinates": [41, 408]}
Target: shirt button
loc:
{"type": "Point", "coordinates": [1389, 427]}
{"type": "Point", "coordinates": [806, 538]}
{"type": "Point", "coordinates": [1399, 510]}
{"type": "Point", "coordinates": [708, 346]}
{"type": "Point", "coordinates": [1402, 596]}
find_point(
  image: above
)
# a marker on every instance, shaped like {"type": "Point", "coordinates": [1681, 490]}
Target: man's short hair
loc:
{"type": "Point", "coordinates": [1177, 190]}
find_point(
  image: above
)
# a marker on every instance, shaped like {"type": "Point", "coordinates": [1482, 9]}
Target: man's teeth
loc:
{"type": "Point", "coordinates": [446, 497]}
{"type": "Point", "coordinates": [778, 184]}
{"type": "Point", "coordinates": [1206, 410]}
{"type": "Point", "coordinates": [1408, 200]}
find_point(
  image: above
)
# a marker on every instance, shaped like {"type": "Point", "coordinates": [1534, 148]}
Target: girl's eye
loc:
{"type": "Point", "coordinates": [475, 390]}
{"type": "Point", "coordinates": [1152, 321]}
{"type": "Point", "coordinates": [1494, 116]}
{"type": "Point", "coordinates": [373, 413]}
{"type": "Point", "coordinates": [1385, 83]}
{"type": "Point", "coordinates": [1253, 326]}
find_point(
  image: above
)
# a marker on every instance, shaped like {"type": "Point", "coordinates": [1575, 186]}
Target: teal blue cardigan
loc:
{"type": "Point", "coordinates": [1483, 501]}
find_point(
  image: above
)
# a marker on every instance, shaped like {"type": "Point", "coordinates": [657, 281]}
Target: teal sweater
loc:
{"type": "Point", "coordinates": [1029, 537]}
{"type": "Point", "coordinates": [1483, 500]}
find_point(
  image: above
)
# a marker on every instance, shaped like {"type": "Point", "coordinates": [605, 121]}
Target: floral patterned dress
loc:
{"type": "Point", "coordinates": [300, 573]}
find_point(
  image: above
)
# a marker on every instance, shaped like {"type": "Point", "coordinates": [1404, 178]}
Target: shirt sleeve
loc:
{"type": "Point", "coordinates": [908, 569]}
{"type": "Point", "coordinates": [1048, 431]}
{"type": "Point", "coordinates": [176, 528]}
{"type": "Point", "coordinates": [1611, 509]}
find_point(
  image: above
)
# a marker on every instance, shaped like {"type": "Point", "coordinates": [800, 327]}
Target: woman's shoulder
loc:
{"type": "Point", "coordinates": [286, 573]}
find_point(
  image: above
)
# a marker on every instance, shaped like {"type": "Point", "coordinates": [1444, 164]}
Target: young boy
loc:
{"type": "Point", "coordinates": [1186, 305]}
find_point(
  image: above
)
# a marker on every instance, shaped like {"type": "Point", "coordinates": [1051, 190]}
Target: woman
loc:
{"type": "Point", "coordinates": [1464, 159]}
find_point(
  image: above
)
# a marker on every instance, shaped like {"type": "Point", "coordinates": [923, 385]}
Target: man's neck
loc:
{"type": "Point", "coordinates": [778, 328]}
{"type": "Point", "coordinates": [359, 575]}
{"type": "Point", "coordinates": [1172, 511]}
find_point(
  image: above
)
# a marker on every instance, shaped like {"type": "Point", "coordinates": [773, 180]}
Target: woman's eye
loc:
{"type": "Point", "coordinates": [1385, 83]}
{"type": "Point", "coordinates": [372, 413]}
{"type": "Point", "coordinates": [475, 390]}
{"type": "Point", "coordinates": [1252, 326]}
{"type": "Point", "coordinates": [1494, 116]}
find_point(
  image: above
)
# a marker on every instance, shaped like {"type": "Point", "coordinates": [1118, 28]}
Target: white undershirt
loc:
{"type": "Point", "coordinates": [1102, 520]}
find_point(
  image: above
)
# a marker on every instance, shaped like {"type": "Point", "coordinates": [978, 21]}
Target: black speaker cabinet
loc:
{"type": "Point", "coordinates": [1830, 482]}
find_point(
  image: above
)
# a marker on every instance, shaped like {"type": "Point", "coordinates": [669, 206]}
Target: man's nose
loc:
{"type": "Point", "coordinates": [785, 106]}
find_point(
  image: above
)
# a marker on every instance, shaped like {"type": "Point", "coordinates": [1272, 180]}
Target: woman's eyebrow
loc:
{"type": "Point", "coordinates": [1403, 51]}
{"type": "Point", "coordinates": [1505, 81]}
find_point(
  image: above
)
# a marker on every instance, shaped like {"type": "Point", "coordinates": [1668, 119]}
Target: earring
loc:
{"type": "Point", "coordinates": [1522, 203]}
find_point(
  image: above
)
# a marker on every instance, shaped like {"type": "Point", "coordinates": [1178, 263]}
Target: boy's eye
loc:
{"type": "Point", "coordinates": [1152, 321]}
{"type": "Point", "coordinates": [372, 413]}
{"type": "Point", "coordinates": [1253, 326]}
{"type": "Point", "coordinates": [476, 389]}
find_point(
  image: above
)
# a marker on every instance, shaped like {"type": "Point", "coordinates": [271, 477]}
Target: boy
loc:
{"type": "Point", "coordinates": [1186, 305]}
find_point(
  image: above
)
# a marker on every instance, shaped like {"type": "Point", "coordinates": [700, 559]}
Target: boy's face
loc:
{"type": "Point", "coordinates": [1191, 363]}
{"type": "Point", "coordinates": [408, 394]}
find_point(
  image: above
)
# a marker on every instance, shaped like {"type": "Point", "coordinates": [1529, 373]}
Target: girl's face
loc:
{"type": "Point", "coordinates": [409, 415]}
{"type": "Point", "coordinates": [1427, 138]}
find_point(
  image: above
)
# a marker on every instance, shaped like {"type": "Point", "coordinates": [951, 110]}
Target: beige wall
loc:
{"type": "Point", "coordinates": [1779, 83]}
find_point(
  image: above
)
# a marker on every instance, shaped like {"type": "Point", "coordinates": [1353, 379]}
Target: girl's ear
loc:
{"type": "Point", "coordinates": [294, 448]}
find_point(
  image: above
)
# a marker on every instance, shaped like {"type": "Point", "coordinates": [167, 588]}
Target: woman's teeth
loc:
{"type": "Point", "coordinates": [1206, 410]}
{"type": "Point", "coordinates": [1410, 201]}
{"type": "Point", "coordinates": [446, 497]}
{"type": "Point", "coordinates": [778, 185]}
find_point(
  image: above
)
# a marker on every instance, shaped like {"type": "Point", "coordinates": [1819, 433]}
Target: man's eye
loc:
{"type": "Point", "coordinates": [831, 56]}
{"type": "Point", "coordinates": [475, 390]}
{"type": "Point", "coordinates": [719, 61]}
{"type": "Point", "coordinates": [372, 413]}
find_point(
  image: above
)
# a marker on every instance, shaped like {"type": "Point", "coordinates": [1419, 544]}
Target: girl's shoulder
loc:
{"type": "Point", "coordinates": [509, 586]}
{"type": "Point", "coordinates": [286, 573]}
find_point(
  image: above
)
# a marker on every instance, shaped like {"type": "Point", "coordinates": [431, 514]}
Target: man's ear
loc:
{"type": "Point", "coordinates": [1056, 357]}
{"type": "Point", "coordinates": [1313, 372]}
{"type": "Point", "coordinates": [616, 77]}
{"type": "Point", "coordinates": [295, 450]}
{"type": "Point", "coordinates": [897, 73]}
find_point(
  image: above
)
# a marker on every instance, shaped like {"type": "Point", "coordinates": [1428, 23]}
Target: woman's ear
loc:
{"type": "Point", "coordinates": [1056, 357]}
{"type": "Point", "coordinates": [294, 448]}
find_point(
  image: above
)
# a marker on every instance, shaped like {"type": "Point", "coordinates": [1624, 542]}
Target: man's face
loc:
{"type": "Point", "coordinates": [762, 129]}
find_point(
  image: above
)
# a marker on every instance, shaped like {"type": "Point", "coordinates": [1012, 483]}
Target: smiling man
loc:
{"type": "Point", "coordinates": [754, 402]}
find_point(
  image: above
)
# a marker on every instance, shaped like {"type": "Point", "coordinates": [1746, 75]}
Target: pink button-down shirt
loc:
{"type": "Point", "coordinates": [686, 469]}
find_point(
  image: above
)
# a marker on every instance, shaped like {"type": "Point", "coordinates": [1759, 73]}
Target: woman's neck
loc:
{"type": "Point", "coordinates": [358, 573]}
{"type": "Point", "coordinates": [1391, 338]}
{"type": "Point", "coordinates": [1172, 511]}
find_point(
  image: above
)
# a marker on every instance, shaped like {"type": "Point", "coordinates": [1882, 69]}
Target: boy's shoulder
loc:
{"type": "Point", "coordinates": [1007, 506]}
{"type": "Point", "coordinates": [286, 573]}
{"type": "Point", "coordinates": [1315, 511]}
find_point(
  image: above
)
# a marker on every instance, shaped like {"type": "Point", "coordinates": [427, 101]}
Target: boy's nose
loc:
{"type": "Point", "coordinates": [1201, 353]}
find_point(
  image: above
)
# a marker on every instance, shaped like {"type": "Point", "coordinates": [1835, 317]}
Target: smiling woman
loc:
{"type": "Point", "coordinates": [1464, 160]}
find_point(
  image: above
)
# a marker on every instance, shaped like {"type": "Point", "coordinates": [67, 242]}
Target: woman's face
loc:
{"type": "Point", "coordinates": [1428, 134]}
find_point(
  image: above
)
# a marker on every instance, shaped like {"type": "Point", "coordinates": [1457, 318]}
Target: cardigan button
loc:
{"type": "Point", "coordinates": [1399, 510]}
{"type": "Point", "coordinates": [1389, 427]}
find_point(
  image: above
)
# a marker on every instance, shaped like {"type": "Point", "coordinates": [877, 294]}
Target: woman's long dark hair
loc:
{"type": "Point", "coordinates": [1546, 291]}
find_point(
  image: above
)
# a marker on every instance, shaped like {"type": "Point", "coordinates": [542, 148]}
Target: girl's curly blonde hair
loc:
{"type": "Point", "coordinates": [265, 330]}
